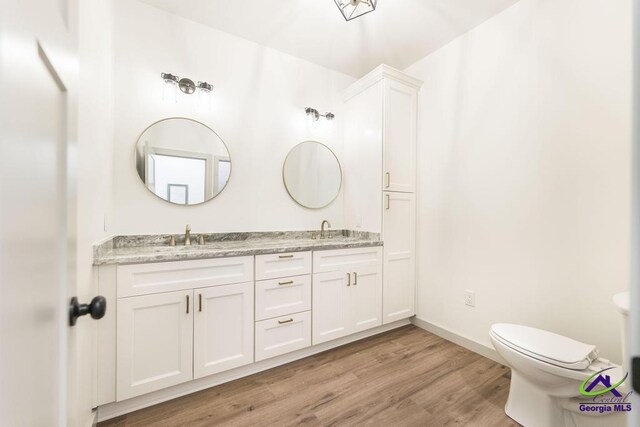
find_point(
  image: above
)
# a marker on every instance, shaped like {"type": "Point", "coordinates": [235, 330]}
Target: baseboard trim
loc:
{"type": "Point", "coordinates": [115, 409]}
{"type": "Point", "coordinates": [461, 340]}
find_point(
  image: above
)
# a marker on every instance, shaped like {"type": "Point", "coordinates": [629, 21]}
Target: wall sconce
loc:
{"type": "Point", "coordinates": [187, 86]}
{"type": "Point", "coordinates": [314, 115]}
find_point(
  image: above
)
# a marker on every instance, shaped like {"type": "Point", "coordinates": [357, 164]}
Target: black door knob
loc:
{"type": "Point", "coordinates": [97, 308]}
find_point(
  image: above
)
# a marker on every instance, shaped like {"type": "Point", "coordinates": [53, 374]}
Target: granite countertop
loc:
{"type": "Point", "coordinates": [155, 248]}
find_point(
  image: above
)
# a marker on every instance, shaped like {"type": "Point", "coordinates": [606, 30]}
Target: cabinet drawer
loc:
{"type": "Point", "coordinates": [346, 259]}
{"type": "Point", "coordinates": [274, 266]}
{"type": "Point", "coordinates": [279, 297]}
{"type": "Point", "coordinates": [282, 335]}
{"type": "Point", "coordinates": [141, 279]}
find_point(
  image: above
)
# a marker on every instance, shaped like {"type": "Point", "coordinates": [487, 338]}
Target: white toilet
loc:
{"type": "Point", "coordinates": [546, 372]}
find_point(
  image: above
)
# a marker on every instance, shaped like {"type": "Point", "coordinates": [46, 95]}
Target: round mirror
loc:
{"type": "Point", "coordinates": [182, 161]}
{"type": "Point", "coordinates": [312, 175]}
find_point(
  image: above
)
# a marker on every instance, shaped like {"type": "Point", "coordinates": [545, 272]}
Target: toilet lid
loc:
{"type": "Point", "coordinates": [546, 346]}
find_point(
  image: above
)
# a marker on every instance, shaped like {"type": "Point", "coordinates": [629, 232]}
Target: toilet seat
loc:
{"type": "Point", "coordinates": [546, 346]}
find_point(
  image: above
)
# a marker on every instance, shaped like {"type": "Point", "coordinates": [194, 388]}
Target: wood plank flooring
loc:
{"type": "Point", "coordinates": [405, 377]}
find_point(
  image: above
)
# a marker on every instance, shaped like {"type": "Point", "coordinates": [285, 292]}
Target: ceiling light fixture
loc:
{"type": "Point", "coordinates": [352, 9]}
{"type": "Point", "coordinates": [314, 115]}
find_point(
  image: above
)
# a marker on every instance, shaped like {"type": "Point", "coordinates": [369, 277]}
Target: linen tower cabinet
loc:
{"type": "Point", "coordinates": [380, 177]}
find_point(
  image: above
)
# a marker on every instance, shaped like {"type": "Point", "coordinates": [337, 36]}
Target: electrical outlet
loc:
{"type": "Point", "coordinates": [470, 298]}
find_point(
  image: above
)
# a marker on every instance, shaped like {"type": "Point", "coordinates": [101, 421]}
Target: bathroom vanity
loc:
{"type": "Point", "coordinates": [184, 318]}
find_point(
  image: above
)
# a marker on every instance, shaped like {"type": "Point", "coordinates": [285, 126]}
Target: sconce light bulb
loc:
{"type": "Point", "coordinates": [312, 114]}
{"type": "Point", "coordinates": [169, 78]}
{"type": "Point", "coordinates": [205, 87]}
{"type": "Point", "coordinates": [169, 88]}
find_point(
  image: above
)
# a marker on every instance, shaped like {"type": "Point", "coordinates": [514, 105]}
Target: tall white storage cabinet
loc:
{"type": "Point", "coordinates": [380, 177]}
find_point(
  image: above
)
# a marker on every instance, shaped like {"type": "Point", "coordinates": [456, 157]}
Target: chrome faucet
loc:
{"type": "Point", "coordinates": [322, 229]}
{"type": "Point", "coordinates": [187, 236]}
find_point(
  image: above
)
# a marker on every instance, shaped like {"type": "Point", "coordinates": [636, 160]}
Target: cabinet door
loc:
{"type": "Point", "coordinates": [223, 328]}
{"type": "Point", "coordinates": [366, 298]}
{"type": "Point", "coordinates": [331, 305]}
{"type": "Point", "coordinates": [399, 256]}
{"type": "Point", "coordinates": [400, 108]}
{"type": "Point", "coordinates": [154, 342]}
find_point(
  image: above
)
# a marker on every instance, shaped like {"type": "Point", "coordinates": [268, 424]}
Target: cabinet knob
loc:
{"type": "Point", "coordinates": [96, 308]}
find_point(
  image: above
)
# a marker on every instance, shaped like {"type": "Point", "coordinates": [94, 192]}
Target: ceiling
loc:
{"type": "Point", "coordinates": [398, 33]}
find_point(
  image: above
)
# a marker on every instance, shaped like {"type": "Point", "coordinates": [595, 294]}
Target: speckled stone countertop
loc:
{"type": "Point", "coordinates": [155, 248]}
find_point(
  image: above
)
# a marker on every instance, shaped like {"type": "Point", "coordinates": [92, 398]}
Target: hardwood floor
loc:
{"type": "Point", "coordinates": [406, 377]}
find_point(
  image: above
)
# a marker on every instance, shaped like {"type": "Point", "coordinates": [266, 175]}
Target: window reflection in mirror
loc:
{"type": "Point", "coordinates": [182, 161]}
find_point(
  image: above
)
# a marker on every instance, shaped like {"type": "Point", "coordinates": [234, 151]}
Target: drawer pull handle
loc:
{"type": "Point", "coordinates": [388, 206]}
{"type": "Point", "coordinates": [285, 256]}
{"type": "Point", "coordinates": [348, 279]}
{"type": "Point", "coordinates": [388, 176]}
{"type": "Point", "coordinates": [290, 282]}
{"type": "Point", "coordinates": [285, 321]}
{"type": "Point", "coordinates": [355, 279]}
{"type": "Point", "coordinates": [188, 304]}
{"type": "Point", "coordinates": [200, 302]}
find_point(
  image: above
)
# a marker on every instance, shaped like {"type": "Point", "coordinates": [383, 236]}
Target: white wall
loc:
{"type": "Point", "coordinates": [524, 172]}
{"type": "Point", "coordinates": [258, 110]}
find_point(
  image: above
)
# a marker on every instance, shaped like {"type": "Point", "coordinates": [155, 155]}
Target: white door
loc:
{"type": "Point", "coordinates": [399, 256]}
{"type": "Point", "coordinates": [223, 328]}
{"type": "Point", "coordinates": [331, 305]}
{"type": "Point", "coordinates": [366, 298]}
{"type": "Point", "coordinates": [37, 53]}
{"type": "Point", "coordinates": [399, 160]}
{"type": "Point", "coordinates": [154, 342]}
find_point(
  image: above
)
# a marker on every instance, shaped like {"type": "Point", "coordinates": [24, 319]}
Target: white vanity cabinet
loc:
{"type": "Point", "coordinates": [347, 292]}
{"type": "Point", "coordinates": [202, 327]}
{"type": "Point", "coordinates": [180, 324]}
